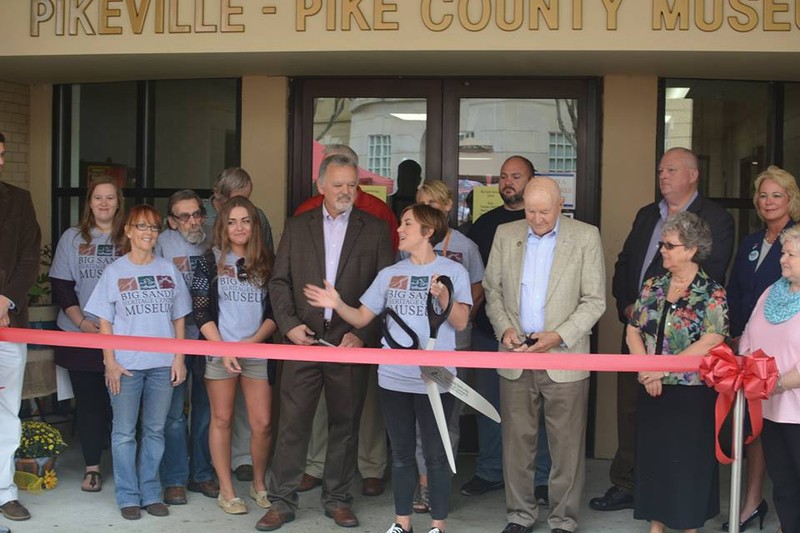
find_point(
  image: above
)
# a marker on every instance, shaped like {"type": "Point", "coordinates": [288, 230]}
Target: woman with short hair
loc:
{"type": "Point", "coordinates": [682, 312]}
{"type": "Point", "coordinates": [774, 327]}
{"type": "Point", "coordinates": [144, 295]}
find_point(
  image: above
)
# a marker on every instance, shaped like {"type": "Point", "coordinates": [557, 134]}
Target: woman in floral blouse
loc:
{"type": "Point", "coordinates": [683, 312]}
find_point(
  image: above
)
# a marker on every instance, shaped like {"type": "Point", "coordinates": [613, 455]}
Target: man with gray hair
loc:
{"type": "Point", "coordinates": [678, 178]}
{"type": "Point", "coordinates": [186, 466]}
{"type": "Point", "coordinates": [545, 290]}
{"type": "Point", "coordinates": [347, 247]}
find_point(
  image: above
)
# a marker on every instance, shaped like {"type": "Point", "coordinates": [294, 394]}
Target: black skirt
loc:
{"type": "Point", "coordinates": [676, 472]}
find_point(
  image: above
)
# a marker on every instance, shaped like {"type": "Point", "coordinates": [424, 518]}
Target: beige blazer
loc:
{"type": "Point", "coordinates": [576, 291]}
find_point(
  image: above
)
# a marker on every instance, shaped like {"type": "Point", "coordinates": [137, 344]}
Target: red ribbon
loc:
{"type": "Point", "coordinates": [757, 375]}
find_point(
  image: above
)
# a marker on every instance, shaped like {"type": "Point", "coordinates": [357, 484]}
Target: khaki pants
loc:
{"type": "Point", "coordinates": [565, 411]}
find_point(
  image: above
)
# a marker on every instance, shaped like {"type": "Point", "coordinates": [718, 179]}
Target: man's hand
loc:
{"type": "Point", "coordinates": [5, 320]}
{"type": "Point", "coordinates": [349, 340]}
{"type": "Point", "coordinates": [510, 338]}
{"type": "Point", "coordinates": [629, 311]}
{"type": "Point", "coordinates": [301, 335]}
{"type": "Point", "coordinates": [542, 342]}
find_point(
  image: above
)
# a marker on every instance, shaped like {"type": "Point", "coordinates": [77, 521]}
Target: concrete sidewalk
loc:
{"type": "Point", "coordinates": [67, 509]}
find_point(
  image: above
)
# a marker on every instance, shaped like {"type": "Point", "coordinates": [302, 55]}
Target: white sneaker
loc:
{"type": "Point", "coordinates": [397, 528]}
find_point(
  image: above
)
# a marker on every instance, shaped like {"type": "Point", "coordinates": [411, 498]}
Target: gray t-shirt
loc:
{"type": "Point", "coordinates": [404, 288]}
{"type": "Point", "coordinates": [141, 300]}
{"type": "Point", "coordinates": [81, 262]}
{"type": "Point", "coordinates": [461, 249]}
{"type": "Point", "coordinates": [241, 303]}
{"type": "Point", "coordinates": [184, 255]}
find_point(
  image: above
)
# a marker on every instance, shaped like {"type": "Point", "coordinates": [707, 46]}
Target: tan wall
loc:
{"type": "Point", "coordinates": [14, 123]}
{"type": "Point", "coordinates": [628, 171]}
{"type": "Point", "coordinates": [265, 113]}
{"type": "Point", "coordinates": [41, 163]}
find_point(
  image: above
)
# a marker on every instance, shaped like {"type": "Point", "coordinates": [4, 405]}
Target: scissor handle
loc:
{"type": "Point", "coordinates": [389, 313]}
{"type": "Point", "coordinates": [437, 319]}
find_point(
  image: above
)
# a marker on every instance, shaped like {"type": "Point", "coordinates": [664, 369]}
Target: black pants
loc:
{"type": "Point", "coordinates": [782, 454]}
{"type": "Point", "coordinates": [401, 412]}
{"type": "Point", "coordinates": [93, 412]}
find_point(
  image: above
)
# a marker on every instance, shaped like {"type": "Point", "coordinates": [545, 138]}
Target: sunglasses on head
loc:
{"type": "Point", "coordinates": [241, 271]}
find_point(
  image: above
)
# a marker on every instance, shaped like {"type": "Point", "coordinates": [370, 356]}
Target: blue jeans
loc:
{"type": "Point", "coordinates": [179, 460]}
{"type": "Point", "coordinates": [489, 465]}
{"type": "Point", "coordinates": [136, 482]}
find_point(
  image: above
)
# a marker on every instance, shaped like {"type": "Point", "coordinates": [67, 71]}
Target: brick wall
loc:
{"type": "Point", "coordinates": [15, 125]}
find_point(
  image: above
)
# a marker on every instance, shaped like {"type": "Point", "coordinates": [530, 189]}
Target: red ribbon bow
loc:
{"type": "Point", "coordinates": [757, 374]}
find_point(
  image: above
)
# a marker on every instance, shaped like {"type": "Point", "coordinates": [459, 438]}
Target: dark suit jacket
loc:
{"type": "Point", "coordinates": [20, 240]}
{"type": "Point", "coordinates": [625, 285]}
{"type": "Point", "coordinates": [747, 283]}
{"type": "Point", "coordinates": [300, 260]}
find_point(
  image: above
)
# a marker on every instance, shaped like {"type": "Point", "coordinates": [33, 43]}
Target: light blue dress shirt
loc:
{"type": "Point", "coordinates": [539, 252]}
{"type": "Point", "coordinates": [334, 230]}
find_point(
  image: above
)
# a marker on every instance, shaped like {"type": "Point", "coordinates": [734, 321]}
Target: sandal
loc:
{"type": "Point", "coordinates": [422, 500]}
{"type": "Point", "coordinates": [95, 482]}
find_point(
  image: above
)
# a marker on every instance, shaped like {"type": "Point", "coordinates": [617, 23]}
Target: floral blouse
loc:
{"type": "Point", "coordinates": [701, 309]}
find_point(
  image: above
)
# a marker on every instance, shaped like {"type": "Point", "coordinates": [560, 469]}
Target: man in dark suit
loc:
{"type": "Point", "coordinates": [347, 247]}
{"type": "Point", "coordinates": [19, 265]}
{"type": "Point", "coordinates": [639, 260]}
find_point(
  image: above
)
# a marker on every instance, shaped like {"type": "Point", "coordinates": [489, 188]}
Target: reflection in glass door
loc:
{"type": "Point", "coordinates": [493, 129]}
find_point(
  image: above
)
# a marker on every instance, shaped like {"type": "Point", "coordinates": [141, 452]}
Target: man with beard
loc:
{"type": "Point", "coordinates": [184, 243]}
{"type": "Point", "coordinates": [347, 247]}
{"type": "Point", "coordinates": [515, 174]}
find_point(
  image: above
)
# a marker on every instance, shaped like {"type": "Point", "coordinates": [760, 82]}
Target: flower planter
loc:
{"type": "Point", "coordinates": [36, 466]}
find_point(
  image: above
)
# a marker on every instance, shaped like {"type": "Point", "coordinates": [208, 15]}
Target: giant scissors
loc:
{"type": "Point", "coordinates": [433, 375]}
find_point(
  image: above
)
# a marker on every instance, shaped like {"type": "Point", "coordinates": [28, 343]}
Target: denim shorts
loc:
{"type": "Point", "coordinates": [251, 368]}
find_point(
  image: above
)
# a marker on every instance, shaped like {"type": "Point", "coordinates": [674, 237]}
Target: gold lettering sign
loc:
{"type": "Point", "coordinates": [70, 18]}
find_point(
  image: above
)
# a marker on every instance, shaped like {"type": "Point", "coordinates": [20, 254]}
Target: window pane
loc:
{"type": "Point", "coordinates": [493, 129]}
{"type": "Point", "coordinates": [725, 124]}
{"type": "Point", "coordinates": [791, 129]}
{"type": "Point", "coordinates": [195, 132]}
{"type": "Point", "coordinates": [103, 133]}
{"type": "Point", "coordinates": [385, 133]}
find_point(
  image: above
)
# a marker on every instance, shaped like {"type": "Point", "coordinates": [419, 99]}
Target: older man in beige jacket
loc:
{"type": "Point", "coordinates": [545, 290]}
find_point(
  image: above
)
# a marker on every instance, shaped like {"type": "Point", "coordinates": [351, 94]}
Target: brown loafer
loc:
{"type": "Point", "coordinates": [175, 495]}
{"type": "Point", "coordinates": [13, 510]}
{"type": "Point", "coordinates": [343, 516]}
{"type": "Point", "coordinates": [209, 488]}
{"type": "Point", "coordinates": [273, 520]}
{"type": "Point", "coordinates": [308, 482]}
{"type": "Point", "coordinates": [131, 513]}
{"type": "Point", "coordinates": [157, 509]}
{"type": "Point", "coordinates": [372, 486]}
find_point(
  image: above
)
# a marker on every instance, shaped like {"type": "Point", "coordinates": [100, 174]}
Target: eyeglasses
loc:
{"type": "Point", "coordinates": [143, 226]}
{"type": "Point", "coordinates": [668, 245]}
{"type": "Point", "coordinates": [184, 217]}
{"type": "Point", "coordinates": [241, 271]}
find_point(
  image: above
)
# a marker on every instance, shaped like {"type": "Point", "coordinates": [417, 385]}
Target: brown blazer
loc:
{"type": "Point", "coordinates": [300, 260]}
{"type": "Point", "coordinates": [20, 240]}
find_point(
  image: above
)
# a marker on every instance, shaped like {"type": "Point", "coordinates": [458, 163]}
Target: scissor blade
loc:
{"type": "Point", "coordinates": [460, 390]}
{"type": "Point", "coordinates": [441, 423]}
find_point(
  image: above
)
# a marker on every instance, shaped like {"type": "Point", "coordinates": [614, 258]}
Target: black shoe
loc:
{"type": "Point", "coordinates": [614, 499]}
{"type": "Point", "coordinates": [559, 530]}
{"type": "Point", "coordinates": [542, 495]}
{"type": "Point", "coordinates": [477, 486]}
{"type": "Point", "coordinates": [760, 513]}
{"type": "Point", "coordinates": [516, 528]}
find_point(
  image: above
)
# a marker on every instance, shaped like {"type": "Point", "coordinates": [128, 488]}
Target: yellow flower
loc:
{"type": "Point", "coordinates": [49, 480]}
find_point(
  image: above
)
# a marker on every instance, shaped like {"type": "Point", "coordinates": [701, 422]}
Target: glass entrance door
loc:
{"type": "Point", "coordinates": [405, 131]}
